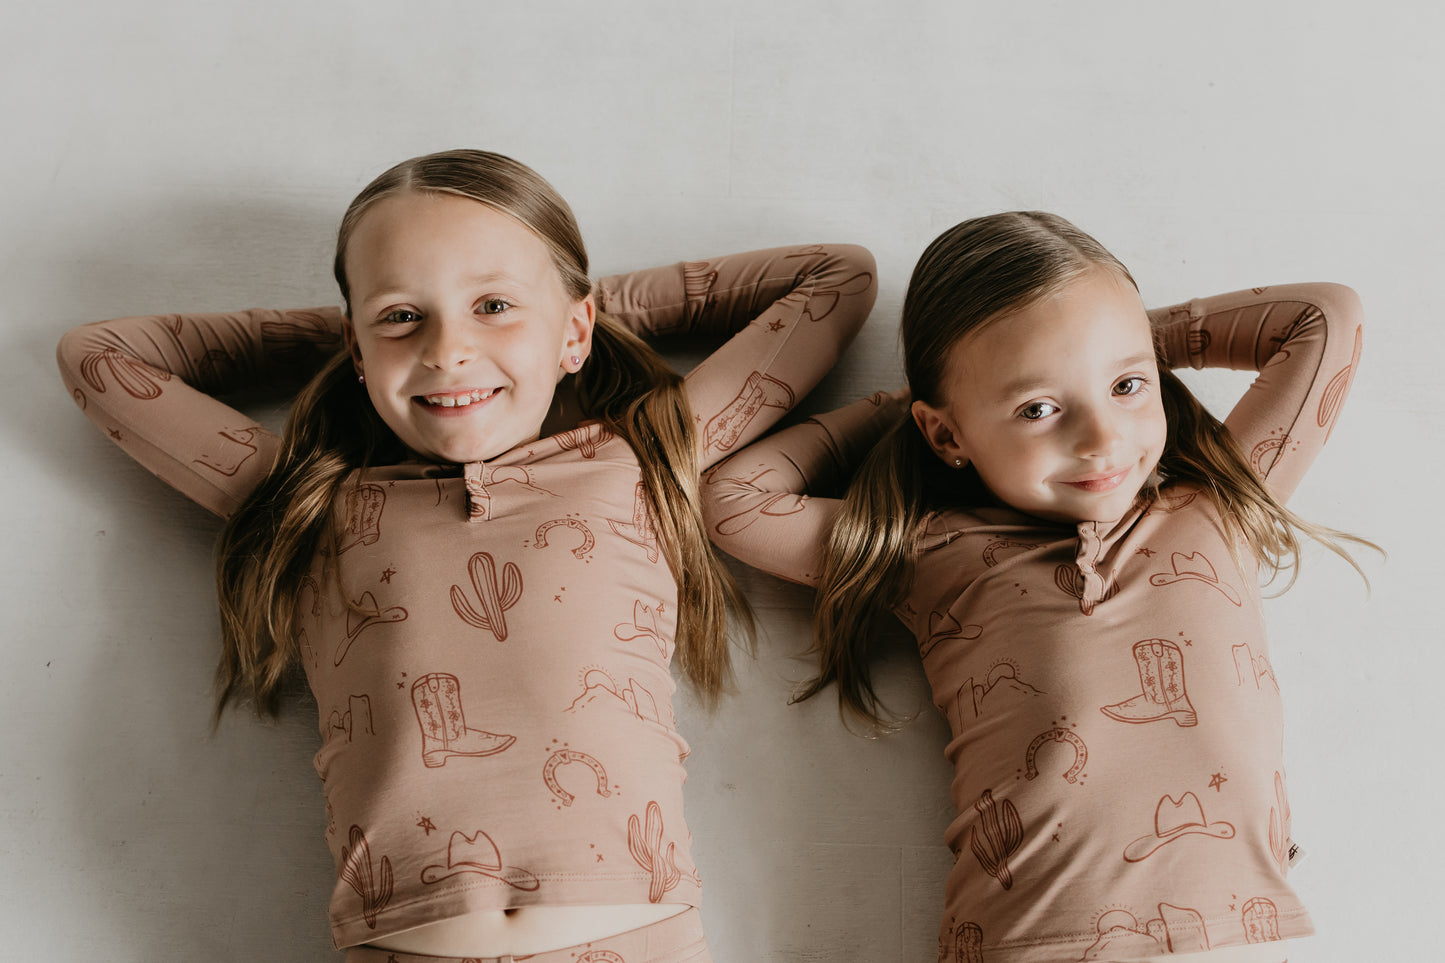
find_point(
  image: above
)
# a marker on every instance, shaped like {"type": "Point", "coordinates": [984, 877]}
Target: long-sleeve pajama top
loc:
{"type": "Point", "coordinates": [1115, 719]}
{"type": "Point", "coordinates": [490, 656]}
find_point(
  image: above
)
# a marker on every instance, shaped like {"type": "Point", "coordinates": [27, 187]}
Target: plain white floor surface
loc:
{"type": "Point", "coordinates": [184, 157]}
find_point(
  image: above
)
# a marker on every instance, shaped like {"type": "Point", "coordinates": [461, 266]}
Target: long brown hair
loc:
{"type": "Point", "coordinates": [268, 545]}
{"type": "Point", "coordinates": [970, 276]}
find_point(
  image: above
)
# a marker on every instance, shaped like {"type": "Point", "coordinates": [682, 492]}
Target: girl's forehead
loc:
{"type": "Point", "coordinates": [431, 230]}
{"type": "Point", "coordinates": [1094, 321]}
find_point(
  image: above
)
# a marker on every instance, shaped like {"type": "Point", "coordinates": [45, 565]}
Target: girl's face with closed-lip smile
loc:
{"type": "Point", "coordinates": [1057, 406]}
{"type": "Point", "coordinates": [460, 324]}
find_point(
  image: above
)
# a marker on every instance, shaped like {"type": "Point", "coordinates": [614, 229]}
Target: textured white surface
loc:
{"type": "Point", "coordinates": [162, 157]}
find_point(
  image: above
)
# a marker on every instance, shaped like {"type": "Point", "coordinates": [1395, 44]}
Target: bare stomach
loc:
{"type": "Point", "coordinates": [531, 929]}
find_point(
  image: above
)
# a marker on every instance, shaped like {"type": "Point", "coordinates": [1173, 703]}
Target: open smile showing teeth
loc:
{"type": "Point", "coordinates": [458, 400]}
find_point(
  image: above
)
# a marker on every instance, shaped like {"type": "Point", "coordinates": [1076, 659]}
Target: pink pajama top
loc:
{"type": "Point", "coordinates": [490, 657]}
{"type": "Point", "coordinates": [1115, 719]}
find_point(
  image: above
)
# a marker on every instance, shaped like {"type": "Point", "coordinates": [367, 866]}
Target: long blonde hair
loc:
{"type": "Point", "coordinates": [970, 276]}
{"type": "Point", "coordinates": [267, 547]}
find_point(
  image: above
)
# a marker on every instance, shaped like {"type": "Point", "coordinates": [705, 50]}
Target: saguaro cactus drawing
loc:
{"type": "Point", "coordinates": [1279, 824]}
{"type": "Point", "coordinates": [646, 847]}
{"type": "Point", "coordinates": [358, 872]}
{"type": "Point", "coordinates": [1002, 834]}
{"type": "Point", "coordinates": [495, 598]}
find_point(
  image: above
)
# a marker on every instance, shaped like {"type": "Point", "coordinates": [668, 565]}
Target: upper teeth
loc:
{"type": "Point", "coordinates": [457, 401]}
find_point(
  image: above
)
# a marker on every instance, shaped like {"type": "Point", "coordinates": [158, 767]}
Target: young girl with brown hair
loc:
{"type": "Point", "coordinates": [1077, 545]}
{"type": "Point", "coordinates": [480, 538]}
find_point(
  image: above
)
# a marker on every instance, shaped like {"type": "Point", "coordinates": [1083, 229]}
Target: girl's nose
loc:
{"type": "Point", "coordinates": [450, 342]}
{"type": "Point", "coordinates": [1098, 433]}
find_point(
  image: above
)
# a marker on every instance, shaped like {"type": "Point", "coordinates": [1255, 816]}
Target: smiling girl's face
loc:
{"type": "Point", "coordinates": [460, 324]}
{"type": "Point", "coordinates": [1057, 406]}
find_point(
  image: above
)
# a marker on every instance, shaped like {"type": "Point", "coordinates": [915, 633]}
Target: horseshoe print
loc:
{"type": "Point", "coordinates": [561, 758]}
{"type": "Point", "coordinates": [581, 551]}
{"type": "Point", "coordinates": [999, 546]}
{"type": "Point", "coordinates": [1267, 453]}
{"type": "Point", "coordinates": [1081, 753]}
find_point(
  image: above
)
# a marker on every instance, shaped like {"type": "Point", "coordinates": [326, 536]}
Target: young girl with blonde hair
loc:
{"type": "Point", "coordinates": [480, 538]}
{"type": "Point", "coordinates": [1077, 545]}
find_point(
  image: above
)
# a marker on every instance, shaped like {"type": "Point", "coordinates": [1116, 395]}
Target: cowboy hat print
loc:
{"type": "Point", "coordinates": [1173, 820]}
{"type": "Point", "coordinates": [478, 854]}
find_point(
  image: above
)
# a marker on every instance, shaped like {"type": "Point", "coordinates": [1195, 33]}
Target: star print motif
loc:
{"type": "Point", "coordinates": [776, 326]}
{"type": "Point", "coordinates": [1217, 781]}
{"type": "Point", "coordinates": [387, 574]}
{"type": "Point", "coordinates": [426, 825]}
{"type": "Point", "coordinates": [1145, 551]}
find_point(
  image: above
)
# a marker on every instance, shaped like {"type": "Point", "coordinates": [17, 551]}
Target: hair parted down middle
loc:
{"type": "Point", "coordinates": [268, 545]}
{"type": "Point", "coordinates": [976, 274]}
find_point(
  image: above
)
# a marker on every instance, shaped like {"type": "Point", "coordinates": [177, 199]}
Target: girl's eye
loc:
{"type": "Point", "coordinates": [494, 306]}
{"type": "Point", "coordinates": [1037, 411]}
{"type": "Point", "coordinates": [1129, 386]}
{"type": "Point", "coordinates": [400, 316]}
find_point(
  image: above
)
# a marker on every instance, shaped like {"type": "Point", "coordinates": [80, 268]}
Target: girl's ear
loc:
{"type": "Point", "coordinates": [940, 432]}
{"type": "Point", "coordinates": [348, 333]}
{"type": "Point", "coordinates": [577, 334]}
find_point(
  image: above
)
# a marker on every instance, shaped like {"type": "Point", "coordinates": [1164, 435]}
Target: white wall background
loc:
{"type": "Point", "coordinates": [165, 156]}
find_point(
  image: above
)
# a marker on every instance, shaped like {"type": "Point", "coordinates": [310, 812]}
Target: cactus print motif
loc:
{"type": "Point", "coordinates": [645, 844]}
{"type": "Point", "coordinates": [494, 596]}
{"type": "Point", "coordinates": [996, 837]}
{"type": "Point", "coordinates": [373, 883]}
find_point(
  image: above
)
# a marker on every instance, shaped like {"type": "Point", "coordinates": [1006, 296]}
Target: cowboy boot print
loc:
{"type": "Point", "coordinates": [437, 701]}
{"type": "Point", "coordinates": [1261, 920]}
{"type": "Point", "coordinates": [639, 531]}
{"type": "Point", "coordinates": [364, 505]}
{"type": "Point", "coordinates": [235, 448]}
{"type": "Point", "coordinates": [968, 943]}
{"type": "Point", "coordinates": [1161, 676]}
{"type": "Point", "coordinates": [495, 598]}
{"type": "Point", "coordinates": [759, 391]}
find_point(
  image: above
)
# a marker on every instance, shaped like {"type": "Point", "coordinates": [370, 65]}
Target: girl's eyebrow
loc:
{"type": "Point", "coordinates": [1134, 360]}
{"type": "Point", "coordinates": [389, 288]}
{"type": "Point", "coordinates": [1028, 384]}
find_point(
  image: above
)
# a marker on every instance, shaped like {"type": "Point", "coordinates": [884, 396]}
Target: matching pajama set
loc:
{"type": "Point", "coordinates": [1115, 719]}
{"type": "Point", "coordinates": [490, 649]}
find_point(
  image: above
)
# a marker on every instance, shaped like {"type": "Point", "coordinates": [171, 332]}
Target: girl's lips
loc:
{"type": "Point", "coordinates": [455, 402]}
{"type": "Point", "coordinates": [1100, 483]}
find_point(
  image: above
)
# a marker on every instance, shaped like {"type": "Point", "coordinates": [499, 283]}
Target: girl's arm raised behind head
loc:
{"type": "Point", "coordinates": [1303, 339]}
{"type": "Point", "coordinates": [149, 382]}
{"type": "Point", "coordinates": [790, 312]}
{"type": "Point", "coordinates": [757, 503]}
